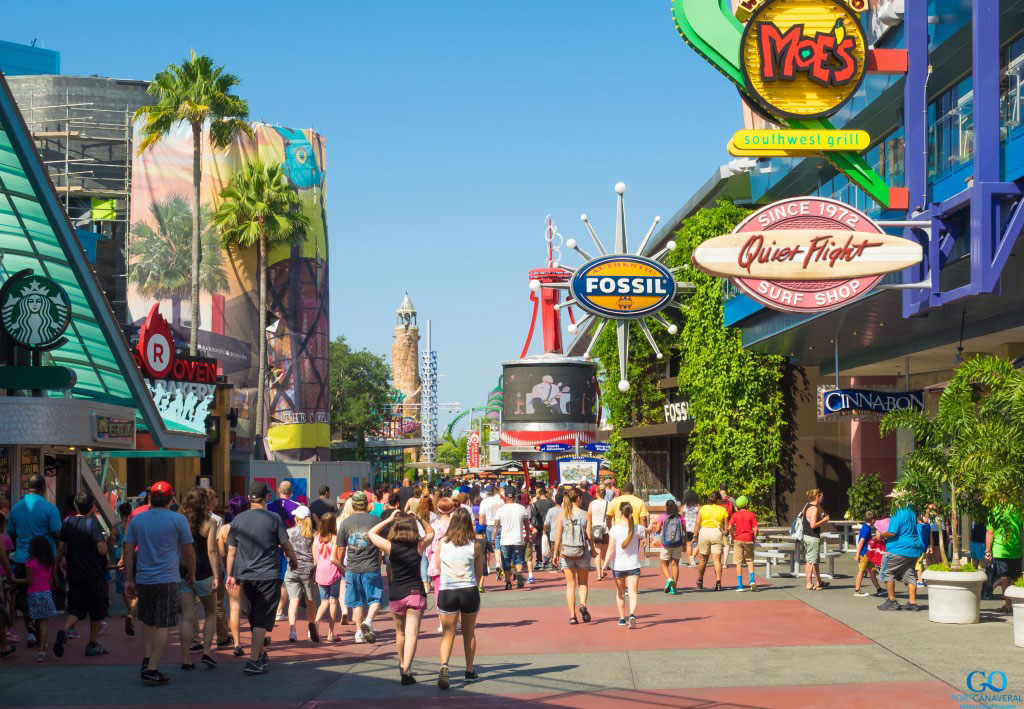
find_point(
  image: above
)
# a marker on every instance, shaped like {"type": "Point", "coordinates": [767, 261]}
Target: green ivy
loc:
{"type": "Point", "coordinates": [867, 495]}
{"type": "Point", "coordinates": [735, 398]}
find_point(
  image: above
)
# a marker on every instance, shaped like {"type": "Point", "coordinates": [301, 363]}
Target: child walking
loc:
{"type": "Point", "coordinates": [327, 573]}
{"type": "Point", "coordinates": [40, 595]}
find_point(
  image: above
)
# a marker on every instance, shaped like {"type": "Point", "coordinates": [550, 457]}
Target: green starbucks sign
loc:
{"type": "Point", "coordinates": [34, 310]}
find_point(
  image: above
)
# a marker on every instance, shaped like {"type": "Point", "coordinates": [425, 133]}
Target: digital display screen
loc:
{"type": "Point", "coordinates": [550, 392]}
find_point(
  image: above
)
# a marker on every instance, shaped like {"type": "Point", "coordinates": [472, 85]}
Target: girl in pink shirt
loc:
{"type": "Point", "coordinates": [40, 597]}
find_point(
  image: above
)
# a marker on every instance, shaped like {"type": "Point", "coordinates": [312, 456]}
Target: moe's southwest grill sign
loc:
{"type": "Point", "coordinates": [803, 59]}
{"type": "Point", "coordinates": [806, 254]}
{"type": "Point", "coordinates": [622, 286]}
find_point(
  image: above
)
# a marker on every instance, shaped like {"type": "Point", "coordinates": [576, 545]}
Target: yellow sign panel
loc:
{"type": "Point", "coordinates": [803, 59]}
{"type": "Point", "coordinates": [769, 143]}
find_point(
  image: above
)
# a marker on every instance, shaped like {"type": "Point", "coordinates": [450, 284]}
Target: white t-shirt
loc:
{"type": "Point", "coordinates": [629, 558]}
{"type": "Point", "coordinates": [511, 516]}
{"type": "Point", "coordinates": [457, 567]}
{"type": "Point", "coordinates": [488, 507]}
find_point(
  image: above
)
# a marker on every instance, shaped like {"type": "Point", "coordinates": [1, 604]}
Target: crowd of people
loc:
{"type": "Point", "coordinates": [178, 564]}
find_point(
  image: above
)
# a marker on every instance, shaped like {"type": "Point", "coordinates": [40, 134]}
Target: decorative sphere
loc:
{"type": "Point", "coordinates": [534, 284]}
{"type": "Point", "coordinates": [620, 188]}
{"type": "Point", "coordinates": [660, 355]}
{"type": "Point", "coordinates": [671, 245]}
{"type": "Point", "coordinates": [583, 217]}
{"type": "Point", "coordinates": [554, 264]}
{"type": "Point", "coordinates": [572, 328]}
{"type": "Point", "coordinates": [571, 243]}
{"type": "Point", "coordinates": [623, 386]}
{"type": "Point", "coordinates": [672, 329]}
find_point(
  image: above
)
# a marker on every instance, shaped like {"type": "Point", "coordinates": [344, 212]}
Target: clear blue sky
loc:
{"type": "Point", "coordinates": [452, 129]}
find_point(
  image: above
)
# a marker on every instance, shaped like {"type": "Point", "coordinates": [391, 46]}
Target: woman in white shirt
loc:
{"type": "Point", "coordinates": [624, 557]}
{"type": "Point", "coordinates": [461, 564]}
{"type": "Point", "coordinates": [597, 529]}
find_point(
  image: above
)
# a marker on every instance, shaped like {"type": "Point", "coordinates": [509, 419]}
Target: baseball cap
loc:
{"type": "Point", "coordinates": [488, 488]}
{"type": "Point", "coordinates": [359, 499]}
{"type": "Point", "coordinates": [161, 488]}
{"type": "Point", "coordinates": [301, 512]}
{"type": "Point", "coordinates": [259, 489]}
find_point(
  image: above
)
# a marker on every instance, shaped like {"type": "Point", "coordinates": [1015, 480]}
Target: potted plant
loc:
{"type": "Point", "coordinates": [1016, 595]}
{"type": "Point", "coordinates": [968, 456]}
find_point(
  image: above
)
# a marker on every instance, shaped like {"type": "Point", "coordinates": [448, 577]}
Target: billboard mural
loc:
{"type": "Point", "coordinates": [159, 253]}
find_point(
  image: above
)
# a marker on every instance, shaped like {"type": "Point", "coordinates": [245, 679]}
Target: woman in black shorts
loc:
{"type": "Point", "coordinates": [461, 565]}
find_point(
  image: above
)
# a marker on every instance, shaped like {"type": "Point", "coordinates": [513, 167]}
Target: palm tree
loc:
{"type": "Point", "coordinates": [258, 208]}
{"type": "Point", "coordinates": [194, 91]}
{"type": "Point", "coordinates": [972, 448]}
{"type": "Point", "coordinates": [161, 253]}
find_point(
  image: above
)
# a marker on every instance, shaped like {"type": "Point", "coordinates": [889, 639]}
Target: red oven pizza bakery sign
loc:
{"type": "Point", "coordinates": [806, 254]}
{"type": "Point", "coordinates": [156, 357]}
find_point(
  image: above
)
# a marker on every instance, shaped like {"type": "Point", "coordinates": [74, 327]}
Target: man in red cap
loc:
{"type": "Point", "coordinates": [157, 543]}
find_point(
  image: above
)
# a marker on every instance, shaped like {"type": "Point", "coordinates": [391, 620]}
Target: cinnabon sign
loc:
{"type": "Point", "coordinates": [156, 357]}
{"type": "Point", "coordinates": [806, 254]}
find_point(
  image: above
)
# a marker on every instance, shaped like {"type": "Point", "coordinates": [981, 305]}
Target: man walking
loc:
{"type": "Point", "coordinates": [158, 542]}
{"type": "Point", "coordinates": [322, 505]}
{"type": "Point", "coordinates": [362, 567]}
{"type": "Point", "coordinates": [539, 513]}
{"type": "Point", "coordinates": [513, 519]}
{"type": "Point", "coordinates": [1003, 549]}
{"type": "Point", "coordinates": [255, 542]}
{"type": "Point", "coordinates": [83, 545]}
{"type": "Point", "coordinates": [488, 508]}
{"type": "Point", "coordinates": [902, 548]}
{"type": "Point", "coordinates": [32, 516]}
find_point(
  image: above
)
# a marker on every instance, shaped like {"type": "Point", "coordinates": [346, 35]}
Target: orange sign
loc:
{"type": "Point", "coordinates": [803, 59]}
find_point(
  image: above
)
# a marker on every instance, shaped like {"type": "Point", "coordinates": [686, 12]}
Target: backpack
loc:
{"type": "Point", "coordinates": [672, 535]}
{"type": "Point", "coordinates": [573, 538]}
{"type": "Point", "coordinates": [796, 530]}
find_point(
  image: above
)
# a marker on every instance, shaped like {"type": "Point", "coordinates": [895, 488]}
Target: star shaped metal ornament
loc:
{"type": "Point", "coordinates": [621, 287]}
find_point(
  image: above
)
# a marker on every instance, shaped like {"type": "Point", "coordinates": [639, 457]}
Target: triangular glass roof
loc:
{"type": "Point", "coordinates": [35, 233]}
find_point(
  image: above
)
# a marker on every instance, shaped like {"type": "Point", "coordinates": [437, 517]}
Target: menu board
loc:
{"type": "Point", "coordinates": [29, 466]}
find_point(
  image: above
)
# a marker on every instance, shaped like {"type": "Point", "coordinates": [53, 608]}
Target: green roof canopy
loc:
{"type": "Point", "coordinates": [35, 233]}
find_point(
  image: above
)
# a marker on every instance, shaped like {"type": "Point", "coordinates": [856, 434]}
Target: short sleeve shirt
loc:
{"type": "Point", "coordinates": [744, 521]}
{"type": "Point", "coordinates": [256, 536]}
{"type": "Point", "coordinates": [159, 535]}
{"type": "Point", "coordinates": [362, 556]}
{"type": "Point", "coordinates": [512, 518]}
{"type": "Point", "coordinates": [865, 535]}
{"type": "Point", "coordinates": [713, 516]}
{"type": "Point", "coordinates": [284, 508]}
{"type": "Point", "coordinates": [639, 508]}
{"type": "Point", "coordinates": [32, 516]}
{"type": "Point", "coordinates": [1005, 523]}
{"type": "Point", "coordinates": [80, 536]}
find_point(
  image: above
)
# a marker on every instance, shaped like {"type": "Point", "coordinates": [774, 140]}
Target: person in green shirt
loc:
{"type": "Point", "coordinates": [1003, 548]}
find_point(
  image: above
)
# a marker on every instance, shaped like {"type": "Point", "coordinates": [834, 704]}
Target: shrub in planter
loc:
{"type": "Point", "coordinates": [954, 596]}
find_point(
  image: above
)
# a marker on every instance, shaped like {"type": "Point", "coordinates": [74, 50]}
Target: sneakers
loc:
{"type": "Point", "coordinates": [508, 585]}
{"type": "Point", "coordinates": [718, 585]}
{"type": "Point", "coordinates": [209, 662]}
{"type": "Point", "coordinates": [530, 579]}
{"type": "Point", "coordinates": [72, 634]}
{"type": "Point", "coordinates": [129, 626]}
{"type": "Point", "coordinates": [226, 641]}
{"type": "Point", "coordinates": [292, 637]}
{"type": "Point", "coordinates": [700, 583]}
{"type": "Point", "coordinates": [254, 668]}
{"type": "Point", "coordinates": [753, 586]}
{"type": "Point", "coordinates": [881, 593]}
{"type": "Point", "coordinates": [154, 677]}
{"type": "Point", "coordinates": [314, 636]}
{"type": "Point", "coordinates": [93, 650]}
{"type": "Point", "coordinates": [631, 622]}
{"type": "Point", "coordinates": [58, 643]}
{"type": "Point", "coordinates": [196, 647]}
{"type": "Point", "coordinates": [238, 651]}
{"type": "Point", "coordinates": [668, 585]}
{"type": "Point", "coordinates": [584, 613]}
{"type": "Point", "coordinates": [740, 589]}
{"type": "Point", "coordinates": [860, 594]}
{"type": "Point", "coordinates": [471, 675]}
{"type": "Point", "coordinates": [911, 607]}
{"type": "Point", "coordinates": [359, 639]}
{"type": "Point", "coordinates": [188, 665]}
{"type": "Point", "coordinates": [280, 617]}
{"type": "Point", "coordinates": [408, 679]}
{"type": "Point", "coordinates": [890, 606]}
{"type": "Point", "coordinates": [519, 580]}
{"type": "Point", "coordinates": [622, 622]}
{"type": "Point", "coordinates": [368, 633]}
{"type": "Point", "coordinates": [443, 678]}
{"type": "Point", "coordinates": [145, 664]}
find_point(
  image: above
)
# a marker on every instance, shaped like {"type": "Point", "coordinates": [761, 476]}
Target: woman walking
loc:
{"type": "Point", "coordinates": [441, 520]}
{"type": "Point", "coordinates": [196, 509]}
{"type": "Point", "coordinates": [299, 582]}
{"type": "Point", "coordinates": [572, 550]}
{"type": "Point", "coordinates": [691, 505]}
{"type": "Point", "coordinates": [597, 528]}
{"type": "Point", "coordinates": [462, 564]}
{"type": "Point", "coordinates": [624, 557]}
{"type": "Point", "coordinates": [672, 528]}
{"type": "Point", "coordinates": [403, 547]}
{"type": "Point", "coordinates": [327, 574]}
{"type": "Point", "coordinates": [711, 521]}
{"type": "Point", "coordinates": [236, 505]}
{"type": "Point", "coordinates": [814, 516]}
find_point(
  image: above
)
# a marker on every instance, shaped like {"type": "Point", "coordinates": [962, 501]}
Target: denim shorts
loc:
{"type": "Point", "coordinates": [514, 555]}
{"type": "Point", "coordinates": [332, 591]}
{"type": "Point", "coordinates": [203, 588]}
{"type": "Point", "coordinates": [362, 589]}
{"type": "Point", "coordinates": [624, 574]}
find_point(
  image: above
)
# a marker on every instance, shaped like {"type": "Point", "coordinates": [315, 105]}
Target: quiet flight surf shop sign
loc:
{"type": "Point", "coordinates": [806, 254]}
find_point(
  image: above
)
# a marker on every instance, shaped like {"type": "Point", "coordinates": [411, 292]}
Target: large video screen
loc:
{"type": "Point", "coordinates": [550, 392]}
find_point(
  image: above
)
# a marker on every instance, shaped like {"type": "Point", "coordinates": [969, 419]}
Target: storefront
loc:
{"type": "Point", "coordinates": [659, 449]}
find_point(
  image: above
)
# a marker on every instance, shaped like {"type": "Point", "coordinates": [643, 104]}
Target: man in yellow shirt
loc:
{"type": "Point", "coordinates": [640, 513]}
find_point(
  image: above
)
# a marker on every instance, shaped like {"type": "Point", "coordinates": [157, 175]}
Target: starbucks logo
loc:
{"type": "Point", "coordinates": [35, 310]}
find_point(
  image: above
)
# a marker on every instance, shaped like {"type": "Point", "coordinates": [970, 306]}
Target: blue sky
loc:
{"type": "Point", "coordinates": [453, 128]}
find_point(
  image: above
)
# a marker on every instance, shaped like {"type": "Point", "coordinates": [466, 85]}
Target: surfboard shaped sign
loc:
{"type": "Point", "coordinates": [806, 254]}
{"type": "Point", "coordinates": [623, 287]}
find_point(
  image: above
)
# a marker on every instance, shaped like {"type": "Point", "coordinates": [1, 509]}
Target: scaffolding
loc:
{"type": "Point", "coordinates": [87, 150]}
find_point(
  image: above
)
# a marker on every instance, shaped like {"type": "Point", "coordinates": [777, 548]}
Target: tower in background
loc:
{"type": "Point", "coordinates": [405, 358]}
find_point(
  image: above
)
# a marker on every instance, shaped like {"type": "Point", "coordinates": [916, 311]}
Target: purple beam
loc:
{"type": "Point", "coordinates": [1009, 238]}
{"type": "Point", "coordinates": [915, 130]}
{"type": "Point", "coordinates": [985, 73]}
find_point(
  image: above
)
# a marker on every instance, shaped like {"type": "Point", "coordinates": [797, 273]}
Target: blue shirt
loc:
{"type": "Point", "coordinates": [159, 535]}
{"type": "Point", "coordinates": [925, 531]}
{"type": "Point", "coordinates": [907, 541]}
{"type": "Point", "coordinates": [32, 516]}
{"type": "Point", "coordinates": [865, 534]}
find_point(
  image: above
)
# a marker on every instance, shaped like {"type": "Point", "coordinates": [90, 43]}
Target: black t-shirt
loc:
{"type": "Point", "coordinates": [321, 507]}
{"type": "Point", "coordinates": [80, 536]}
{"type": "Point", "coordinates": [585, 499]}
{"type": "Point", "coordinates": [541, 508]}
{"type": "Point", "coordinates": [256, 536]}
{"type": "Point", "coordinates": [404, 495]}
{"type": "Point", "coordinates": [405, 572]}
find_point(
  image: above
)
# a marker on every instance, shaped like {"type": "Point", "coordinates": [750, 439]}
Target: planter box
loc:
{"type": "Point", "coordinates": [954, 596]}
{"type": "Point", "coordinates": [1016, 596]}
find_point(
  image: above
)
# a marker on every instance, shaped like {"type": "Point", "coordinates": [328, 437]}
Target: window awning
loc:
{"type": "Point", "coordinates": [35, 233]}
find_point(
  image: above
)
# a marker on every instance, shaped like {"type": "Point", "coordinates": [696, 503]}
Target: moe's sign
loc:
{"type": "Point", "coordinates": [802, 59]}
{"type": "Point", "coordinates": [623, 287]}
{"type": "Point", "coordinates": [806, 254]}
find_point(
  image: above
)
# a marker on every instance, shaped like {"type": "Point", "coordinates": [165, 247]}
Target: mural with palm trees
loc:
{"type": "Point", "coordinates": [161, 254]}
